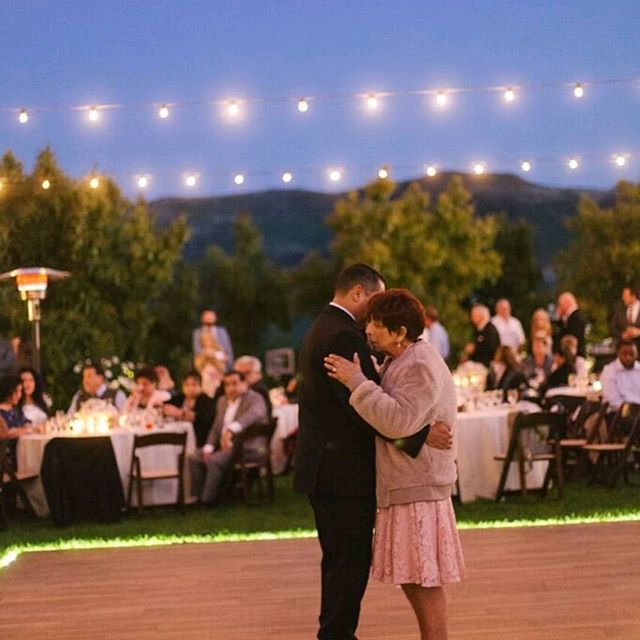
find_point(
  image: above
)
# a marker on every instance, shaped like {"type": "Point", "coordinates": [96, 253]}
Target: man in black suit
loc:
{"type": "Point", "coordinates": [571, 323]}
{"type": "Point", "coordinates": [625, 324]}
{"type": "Point", "coordinates": [335, 452]}
{"type": "Point", "coordinates": [487, 338]}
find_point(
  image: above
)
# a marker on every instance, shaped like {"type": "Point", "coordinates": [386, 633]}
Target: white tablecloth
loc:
{"type": "Point", "coordinates": [287, 415]}
{"type": "Point", "coordinates": [480, 435]}
{"type": "Point", "coordinates": [576, 392]}
{"type": "Point", "coordinates": [30, 451]}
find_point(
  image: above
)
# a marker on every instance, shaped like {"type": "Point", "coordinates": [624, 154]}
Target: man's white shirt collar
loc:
{"type": "Point", "coordinates": [335, 304]}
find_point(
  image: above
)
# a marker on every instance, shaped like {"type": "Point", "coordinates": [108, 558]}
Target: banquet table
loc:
{"type": "Point", "coordinates": [480, 435]}
{"type": "Point", "coordinates": [30, 452]}
{"type": "Point", "coordinates": [574, 392]}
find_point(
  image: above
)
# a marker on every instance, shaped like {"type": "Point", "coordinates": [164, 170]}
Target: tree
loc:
{"type": "Point", "coordinates": [521, 277]}
{"type": "Point", "coordinates": [439, 250]}
{"type": "Point", "coordinates": [605, 254]}
{"type": "Point", "coordinates": [119, 263]}
{"type": "Point", "coordinates": [246, 288]}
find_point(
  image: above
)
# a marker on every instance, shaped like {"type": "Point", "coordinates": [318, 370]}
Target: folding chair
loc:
{"type": "Point", "coordinates": [535, 437]}
{"type": "Point", "coordinates": [137, 475]}
{"type": "Point", "coordinates": [254, 464]}
{"type": "Point", "coordinates": [610, 459]}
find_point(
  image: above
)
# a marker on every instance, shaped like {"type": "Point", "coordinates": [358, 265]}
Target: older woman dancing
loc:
{"type": "Point", "coordinates": [416, 542]}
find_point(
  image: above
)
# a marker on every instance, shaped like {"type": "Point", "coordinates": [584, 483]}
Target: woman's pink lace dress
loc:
{"type": "Point", "coordinates": [417, 543]}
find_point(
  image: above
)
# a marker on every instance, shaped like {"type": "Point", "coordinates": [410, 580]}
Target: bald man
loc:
{"type": "Point", "coordinates": [570, 322]}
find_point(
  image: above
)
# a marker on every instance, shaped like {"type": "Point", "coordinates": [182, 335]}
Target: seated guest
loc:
{"type": "Point", "coordinates": [146, 394]}
{"type": "Point", "coordinates": [251, 368]}
{"type": "Point", "coordinates": [237, 409]}
{"type": "Point", "coordinates": [165, 381]}
{"type": "Point", "coordinates": [95, 387]}
{"type": "Point", "coordinates": [487, 338]}
{"type": "Point", "coordinates": [35, 405]}
{"type": "Point", "coordinates": [14, 422]}
{"type": "Point", "coordinates": [193, 405]}
{"type": "Point", "coordinates": [537, 366]}
{"type": "Point", "coordinates": [570, 343]}
{"type": "Point", "coordinates": [564, 365]}
{"type": "Point", "coordinates": [505, 372]}
{"type": "Point", "coordinates": [621, 378]}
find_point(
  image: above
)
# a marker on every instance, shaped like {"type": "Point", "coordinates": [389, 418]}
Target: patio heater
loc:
{"type": "Point", "coordinates": [32, 285]}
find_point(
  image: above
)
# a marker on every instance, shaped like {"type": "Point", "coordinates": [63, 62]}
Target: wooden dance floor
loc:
{"type": "Point", "coordinates": [568, 583]}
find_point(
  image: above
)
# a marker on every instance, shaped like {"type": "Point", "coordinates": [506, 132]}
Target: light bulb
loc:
{"type": "Point", "coordinates": [383, 173]}
{"type": "Point", "coordinates": [372, 102]}
{"type": "Point", "coordinates": [525, 166]}
{"type": "Point", "coordinates": [431, 171]}
{"type": "Point", "coordinates": [620, 160]}
{"type": "Point", "coordinates": [143, 182]}
{"type": "Point", "coordinates": [94, 183]}
{"type": "Point", "coordinates": [163, 112]}
{"type": "Point", "coordinates": [45, 184]}
{"type": "Point", "coordinates": [578, 90]}
{"type": "Point", "coordinates": [287, 177]}
{"type": "Point", "coordinates": [233, 109]}
{"type": "Point", "coordinates": [573, 164]}
{"type": "Point", "coordinates": [23, 116]}
{"type": "Point", "coordinates": [93, 114]}
{"type": "Point", "coordinates": [191, 180]}
{"type": "Point", "coordinates": [509, 95]}
{"type": "Point", "coordinates": [441, 98]}
{"type": "Point", "coordinates": [478, 168]}
{"type": "Point", "coordinates": [303, 105]}
{"type": "Point", "coordinates": [238, 179]}
{"type": "Point", "coordinates": [335, 175]}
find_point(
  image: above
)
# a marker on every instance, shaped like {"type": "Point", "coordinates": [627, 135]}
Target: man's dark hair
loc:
{"type": "Point", "coordinates": [357, 274]}
{"type": "Point", "coordinates": [192, 374]}
{"type": "Point", "coordinates": [635, 290]}
{"type": "Point", "coordinates": [8, 385]}
{"type": "Point", "coordinates": [96, 367]}
{"type": "Point", "coordinates": [626, 343]}
{"type": "Point", "coordinates": [148, 373]}
{"type": "Point", "coordinates": [233, 372]}
{"type": "Point", "coordinates": [431, 312]}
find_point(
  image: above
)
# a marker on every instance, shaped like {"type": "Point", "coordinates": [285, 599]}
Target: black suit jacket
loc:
{"type": "Point", "coordinates": [486, 342]}
{"type": "Point", "coordinates": [619, 323]}
{"type": "Point", "coordinates": [335, 448]}
{"type": "Point", "coordinates": [204, 410]}
{"type": "Point", "coordinates": [574, 325]}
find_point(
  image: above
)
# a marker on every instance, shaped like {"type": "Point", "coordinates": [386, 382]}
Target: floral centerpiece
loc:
{"type": "Point", "coordinates": [118, 373]}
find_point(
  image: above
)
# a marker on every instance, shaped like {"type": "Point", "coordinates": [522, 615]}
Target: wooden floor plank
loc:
{"type": "Point", "coordinates": [558, 583]}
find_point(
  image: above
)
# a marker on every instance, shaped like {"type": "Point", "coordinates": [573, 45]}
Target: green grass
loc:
{"type": "Point", "coordinates": [290, 516]}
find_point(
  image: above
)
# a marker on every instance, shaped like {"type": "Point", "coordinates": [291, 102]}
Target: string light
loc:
{"type": "Point", "coordinates": [578, 90]}
{"type": "Point", "coordinates": [431, 171]}
{"type": "Point", "coordinates": [620, 160]}
{"type": "Point", "coordinates": [163, 112]}
{"type": "Point", "coordinates": [94, 183]}
{"type": "Point", "coordinates": [238, 179]}
{"type": "Point", "coordinates": [441, 98]}
{"type": "Point", "coordinates": [94, 116]}
{"type": "Point", "coordinates": [287, 177]}
{"type": "Point", "coordinates": [372, 102]}
{"type": "Point", "coordinates": [509, 95]}
{"type": "Point", "coordinates": [233, 109]}
{"type": "Point", "coordinates": [525, 166]}
{"type": "Point", "coordinates": [45, 184]}
{"type": "Point", "coordinates": [303, 105]}
{"type": "Point", "coordinates": [23, 116]}
{"type": "Point", "coordinates": [142, 182]}
{"type": "Point", "coordinates": [335, 175]}
{"type": "Point", "coordinates": [383, 173]}
{"type": "Point", "coordinates": [479, 168]}
{"type": "Point", "coordinates": [191, 180]}
{"type": "Point", "coordinates": [573, 164]}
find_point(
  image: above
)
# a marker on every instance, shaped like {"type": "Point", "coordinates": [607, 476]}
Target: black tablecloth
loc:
{"type": "Point", "coordinates": [81, 480]}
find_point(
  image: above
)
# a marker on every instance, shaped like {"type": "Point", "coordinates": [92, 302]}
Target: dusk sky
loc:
{"type": "Point", "coordinates": [59, 54]}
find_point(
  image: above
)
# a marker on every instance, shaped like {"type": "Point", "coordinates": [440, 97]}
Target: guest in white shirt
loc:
{"type": "Point", "coordinates": [509, 328]}
{"type": "Point", "coordinates": [621, 378]}
{"type": "Point", "coordinates": [94, 386]}
{"type": "Point", "coordinates": [35, 404]}
{"type": "Point", "coordinates": [435, 333]}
